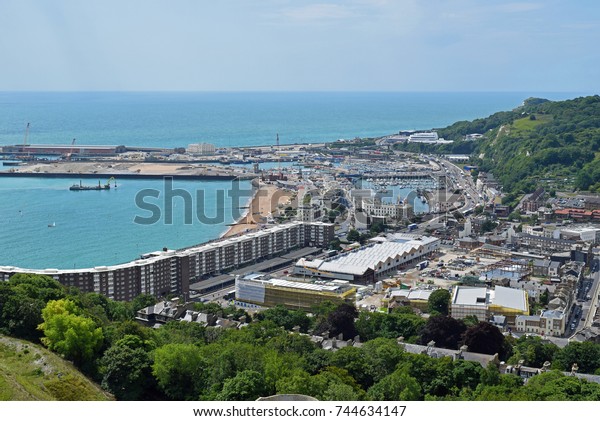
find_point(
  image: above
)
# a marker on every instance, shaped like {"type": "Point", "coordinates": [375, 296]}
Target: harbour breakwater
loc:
{"type": "Point", "coordinates": [107, 175]}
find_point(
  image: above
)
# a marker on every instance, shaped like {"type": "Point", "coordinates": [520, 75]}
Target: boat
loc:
{"type": "Point", "coordinates": [80, 187]}
{"type": "Point", "coordinates": [52, 225]}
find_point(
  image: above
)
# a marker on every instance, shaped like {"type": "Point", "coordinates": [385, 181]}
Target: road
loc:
{"type": "Point", "coordinates": [589, 307]}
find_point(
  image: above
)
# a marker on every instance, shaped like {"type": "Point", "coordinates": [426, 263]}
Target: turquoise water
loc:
{"type": "Point", "coordinates": [96, 227]}
{"type": "Point", "coordinates": [235, 119]}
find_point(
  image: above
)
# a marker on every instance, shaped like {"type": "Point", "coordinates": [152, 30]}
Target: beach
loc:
{"type": "Point", "coordinates": [261, 207]}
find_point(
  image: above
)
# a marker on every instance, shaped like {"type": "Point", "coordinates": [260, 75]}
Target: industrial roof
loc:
{"type": "Point", "coordinates": [509, 298]}
{"type": "Point", "coordinates": [470, 296]}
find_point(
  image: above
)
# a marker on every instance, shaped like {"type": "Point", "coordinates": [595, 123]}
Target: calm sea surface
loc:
{"type": "Point", "coordinates": [96, 227]}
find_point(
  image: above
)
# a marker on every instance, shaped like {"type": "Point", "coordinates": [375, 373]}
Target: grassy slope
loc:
{"type": "Point", "coordinates": [31, 372]}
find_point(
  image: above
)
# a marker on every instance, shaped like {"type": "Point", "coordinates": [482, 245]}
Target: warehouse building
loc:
{"type": "Point", "coordinates": [369, 263]}
{"type": "Point", "coordinates": [485, 303]}
{"type": "Point", "coordinates": [257, 290]}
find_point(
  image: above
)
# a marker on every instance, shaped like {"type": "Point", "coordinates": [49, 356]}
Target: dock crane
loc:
{"type": "Point", "coordinates": [26, 135]}
{"type": "Point", "coordinates": [68, 155]}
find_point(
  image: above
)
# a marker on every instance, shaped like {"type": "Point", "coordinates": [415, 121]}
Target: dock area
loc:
{"type": "Point", "coordinates": [128, 170]}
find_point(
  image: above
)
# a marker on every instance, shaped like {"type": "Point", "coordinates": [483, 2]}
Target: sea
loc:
{"type": "Point", "coordinates": [44, 225]}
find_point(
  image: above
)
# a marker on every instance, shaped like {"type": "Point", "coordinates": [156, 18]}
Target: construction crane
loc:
{"type": "Point", "coordinates": [279, 158]}
{"type": "Point", "coordinates": [26, 135]}
{"type": "Point", "coordinates": [68, 155]}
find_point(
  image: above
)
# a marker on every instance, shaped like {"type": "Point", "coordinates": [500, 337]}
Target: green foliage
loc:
{"type": "Point", "coordinates": [555, 386]}
{"type": "Point", "coordinates": [288, 319]}
{"type": "Point", "coordinates": [439, 301]}
{"type": "Point", "coordinates": [393, 325]}
{"type": "Point", "coordinates": [398, 386]}
{"type": "Point", "coordinates": [22, 299]}
{"type": "Point", "coordinates": [488, 226]}
{"type": "Point", "coordinates": [247, 385]}
{"type": "Point", "coordinates": [585, 354]}
{"type": "Point", "coordinates": [353, 236]}
{"type": "Point", "coordinates": [66, 332]}
{"type": "Point", "coordinates": [126, 369]}
{"type": "Point", "coordinates": [180, 371]}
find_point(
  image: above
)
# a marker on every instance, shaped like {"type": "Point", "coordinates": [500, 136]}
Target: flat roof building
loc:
{"type": "Point", "coordinates": [293, 295]}
{"type": "Point", "coordinates": [484, 303]}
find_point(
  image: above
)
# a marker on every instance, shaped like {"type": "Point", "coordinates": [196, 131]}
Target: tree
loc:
{"type": "Point", "coordinates": [288, 319]}
{"type": "Point", "coordinates": [439, 301]}
{"type": "Point", "coordinates": [484, 338]}
{"type": "Point", "coordinates": [22, 299]}
{"type": "Point", "coordinates": [247, 385]}
{"type": "Point", "coordinates": [371, 325]}
{"type": "Point", "coordinates": [336, 244]}
{"type": "Point", "coordinates": [544, 297]}
{"type": "Point", "coordinates": [445, 331]}
{"type": "Point", "coordinates": [533, 351]}
{"type": "Point", "coordinates": [398, 386]}
{"type": "Point", "coordinates": [75, 337]}
{"type": "Point", "coordinates": [585, 354]}
{"type": "Point", "coordinates": [341, 321]}
{"type": "Point", "coordinates": [353, 236]}
{"type": "Point", "coordinates": [555, 386]}
{"type": "Point", "coordinates": [180, 371]}
{"type": "Point", "coordinates": [126, 369]}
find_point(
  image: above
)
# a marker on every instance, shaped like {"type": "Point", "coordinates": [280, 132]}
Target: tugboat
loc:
{"type": "Point", "coordinates": [79, 187]}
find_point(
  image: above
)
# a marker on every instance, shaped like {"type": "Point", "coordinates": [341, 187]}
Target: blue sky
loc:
{"type": "Point", "coordinates": [284, 45]}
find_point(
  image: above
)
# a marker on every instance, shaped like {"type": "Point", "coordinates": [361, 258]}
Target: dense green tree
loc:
{"type": "Point", "coordinates": [75, 337]}
{"type": "Point", "coordinates": [470, 320]}
{"type": "Point", "coordinates": [434, 375]}
{"type": "Point", "coordinates": [585, 354]}
{"type": "Point", "coordinates": [180, 332]}
{"type": "Point", "coordinates": [439, 302]}
{"type": "Point", "coordinates": [533, 351]}
{"type": "Point", "coordinates": [286, 343]}
{"type": "Point", "coordinates": [180, 371]}
{"type": "Point", "coordinates": [143, 301]}
{"type": "Point", "coordinates": [507, 387]}
{"type": "Point", "coordinates": [22, 299]}
{"type": "Point", "coordinates": [383, 356]}
{"type": "Point", "coordinates": [398, 386]}
{"type": "Point", "coordinates": [126, 369]}
{"type": "Point", "coordinates": [555, 386]}
{"type": "Point", "coordinates": [356, 363]}
{"type": "Point", "coordinates": [353, 236]}
{"type": "Point", "coordinates": [247, 385]}
{"type": "Point", "coordinates": [465, 375]}
{"type": "Point", "coordinates": [288, 319]}
{"type": "Point", "coordinates": [372, 325]}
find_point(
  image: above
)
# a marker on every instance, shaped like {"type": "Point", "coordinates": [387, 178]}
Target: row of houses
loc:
{"type": "Point", "coordinates": [170, 272]}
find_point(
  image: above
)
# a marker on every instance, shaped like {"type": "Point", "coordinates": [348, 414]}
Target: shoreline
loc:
{"type": "Point", "coordinates": [262, 204]}
{"type": "Point", "coordinates": [130, 170]}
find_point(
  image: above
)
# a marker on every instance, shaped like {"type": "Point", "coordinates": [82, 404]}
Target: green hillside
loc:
{"type": "Point", "coordinates": [31, 372]}
{"type": "Point", "coordinates": [554, 144]}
